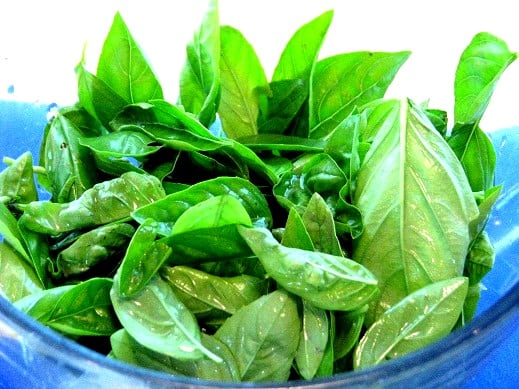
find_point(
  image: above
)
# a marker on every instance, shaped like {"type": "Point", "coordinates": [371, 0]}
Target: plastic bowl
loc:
{"type": "Point", "coordinates": [34, 356]}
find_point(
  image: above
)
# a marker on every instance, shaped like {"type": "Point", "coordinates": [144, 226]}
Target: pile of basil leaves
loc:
{"type": "Point", "coordinates": [255, 230]}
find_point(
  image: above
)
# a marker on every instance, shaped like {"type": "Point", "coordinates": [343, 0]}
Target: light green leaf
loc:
{"type": "Point", "coordinates": [345, 81]}
{"type": "Point", "coordinates": [301, 51]}
{"type": "Point", "coordinates": [420, 319]}
{"type": "Point", "coordinates": [263, 336]}
{"type": "Point", "coordinates": [481, 65]}
{"type": "Point", "coordinates": [416, 205]}
{"type": "Point", "coordinates": [200, 77]}
{"type": "Point", "coordinates": [244, 85]}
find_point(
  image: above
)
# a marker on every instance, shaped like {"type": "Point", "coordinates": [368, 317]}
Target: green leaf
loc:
{"type": "Point", "coordinates": [97, 97]}
{"type": "Point", "coordinates": [319, 223]}
{"type": "Point", "coordinates": [127, 349]}
{"type": "Point", "coordinates": [62, 153]}
{"type": "Point", "coordinates": [124, 68]}
{"type": "Point", "coordinates": [477, 155]}
{"type": "Point", "coordinates": [243, 82]}
{"type": "Point", "coordinates": [423, 317]}
{"type": "Point", "coordinates": [17, 180]}
{"type": "Point", "coordinates": [300, 53]}
{"type": "Point", "coordinates": [416, 205]}
{"type": "Point", "coordinates": [166, 211]}
{"type": "Point", "coordinates": [345, 81]}
{"type": "Point", "coordinates": [214, 212]}
{"type": "Point", "coordinates": [200, 76]}
{"type": "Point", "coordinates": [81, 309]}
{"type": "Point", "coordinates": [327, 281]}
{"type": "Point", "coordinates": [296, 234]}
{"type": "Point", "coordinates": [144, 257]}
{"type": "Point", "coordinates": [312, 340]}
{"type": "Point", "coordinates": [159, 321]}
{"type": "Point", "coordinates": [284, 103]}
{"type": "Point", "coordinates": [17, 278]}
{"type": "Point", "coordinates": [481, 65]}
{"type": "Point", "coordinates": [121, 144]}
{"type": "Point", "coordinates": [105, 202]}
{"type": "Point", "coordinates": [206, 244]}
{"type": "Point", "coordinates": [100, 245]}
{"type": "Point", "coordinates": [227, 294]}
{"type": "Point", "coordinates": [11, 233]}
{"type": "Point", "coordinates": [263, 337]}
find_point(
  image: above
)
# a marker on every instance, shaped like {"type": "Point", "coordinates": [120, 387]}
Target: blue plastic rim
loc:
{"type": "Point", "coordinates": [32, 355]}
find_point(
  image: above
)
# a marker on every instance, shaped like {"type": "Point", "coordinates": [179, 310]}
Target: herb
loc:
{"type": "Point", "coordinates": [255, 230]}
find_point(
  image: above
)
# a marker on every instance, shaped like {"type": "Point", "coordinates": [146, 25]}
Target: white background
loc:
{"type": "Point", "coordinates": [42, 41]}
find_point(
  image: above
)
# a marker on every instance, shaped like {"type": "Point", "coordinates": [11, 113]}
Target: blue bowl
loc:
{"type": "Point", "coordinates": [480, 355]}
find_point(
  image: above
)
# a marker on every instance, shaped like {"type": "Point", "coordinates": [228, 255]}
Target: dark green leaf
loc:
{"type": "Point", "coordinates": [94, 247]}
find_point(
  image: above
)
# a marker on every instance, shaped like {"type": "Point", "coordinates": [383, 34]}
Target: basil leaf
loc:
{"type": "Point", "coordinates": [124, 68]}
{"type": "Point", "coordinates": [214, 212]}
{"type": "Point", "coordinates": [81, 309]}
{"type": "Point", "coordinates": [159, 321]}
{"type": "Point", "coordinates": [127, 349]}
{"type": "Point", "coordinates": [312, 340]}
{"type": "Point", "coordinates": [17, 278]}
{"type": "Point", "coordinates": [318, 220]}
{"type": "Point", "coordinates": [227, 294]}
{"type": "Point", "coordinates": [200, 76]}
{"type": "Point", "coordinates": [420, 319]}
{"type": "Point", "coordinates": [480, 66]}
{"type": "Point", "coordinates": [300, 53]}
{"type": "Point", "coordinates": [96, 96]}
{"type": "Point", "coordinates": [244, 85]}
{"type": "Point", "coordinates": [104, 203]}
{"type": "Point", "coordinates": [477, 155]}
{"type": "Point", "coordinates": [94, 247]}
{"type": "Point", "coordinates": [327, 281]}
{"type": "Point", "coordinates": [11, 233]}
{"type": "Point", "coordinates": [144, 257]}
{"type": "Point", "coordinates": [263, 337]}
{"type": "Point", "coordinates": [411, 191]}
{"type": "Point", "coordinates": [206, 245]}
{"type": "Point", "coordinates": [345, 81]}
{"type": "Point", "coordinates": [62, 152]}
{"type": "Point", "coordinates": [295, 233]}
{"type": "Point", "coordinates": [17, 181]}
{"type": "Point", "coordinates": [166, 211]}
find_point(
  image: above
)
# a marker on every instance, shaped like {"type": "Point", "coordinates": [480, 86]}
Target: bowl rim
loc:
{"type": "Point", "coordinates": [502, 311]}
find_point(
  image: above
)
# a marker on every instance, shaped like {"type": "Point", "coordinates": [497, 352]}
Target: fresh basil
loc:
{"type": "Point", "coordinates": [257, 229]}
